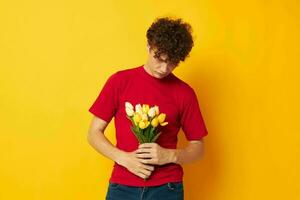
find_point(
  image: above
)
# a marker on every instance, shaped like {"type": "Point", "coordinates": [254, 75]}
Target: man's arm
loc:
{"type": "Point", "coordinates": [194, 151]}
{"type": "Point", "coordinates": [100, 143]}
{"type": "Point", "coordinates": [159, 155]}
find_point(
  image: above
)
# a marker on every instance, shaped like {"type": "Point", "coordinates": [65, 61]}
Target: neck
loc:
{"type": "Point", "coordinates": [147, 69]}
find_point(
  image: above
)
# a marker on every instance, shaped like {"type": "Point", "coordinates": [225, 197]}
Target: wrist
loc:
{"type": "Point", "coordinates": [173, 155]}
{"type": "Point", "coordinates": [120, 157]}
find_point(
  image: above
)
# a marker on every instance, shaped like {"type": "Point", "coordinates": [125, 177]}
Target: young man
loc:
{"type": "Point", "coordinates": [150, 170]}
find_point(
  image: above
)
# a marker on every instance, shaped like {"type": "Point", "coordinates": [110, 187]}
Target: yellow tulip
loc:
{"type": "Point", "coordinates": [147, 124]}
{"type": "Point", "coordinates": [164, 123]}
{"type": "Point", "coordinates": [137, 118]}
{"type": "Point", "coordinates": [156, 110]}
{"type": "Point", "coordinates": [154, 122]}
{"type": "Point", "coordinates": [144, 124]}
{"type": "Point", "coordinates": [161, 117]}
{"type": "Point", "coordinates": [145, 108]}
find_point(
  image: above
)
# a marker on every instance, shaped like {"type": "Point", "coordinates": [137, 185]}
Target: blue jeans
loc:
{"type": "Point", "coordinates": [167, 191]}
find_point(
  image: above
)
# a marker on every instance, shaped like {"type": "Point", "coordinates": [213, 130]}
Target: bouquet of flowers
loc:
{"type": "Point", "coordinates": [145, 121]}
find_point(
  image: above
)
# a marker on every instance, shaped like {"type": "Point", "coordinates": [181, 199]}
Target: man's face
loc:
{"type": "Point", "coordinates": [159, 67]}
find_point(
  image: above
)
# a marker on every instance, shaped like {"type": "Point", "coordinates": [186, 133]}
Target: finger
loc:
{"type": "Point", "coordinates": [148, 161]}
{"type": "Point", "coordinates": [146, 172]}
{"type": "Point", "coordinates": [142, 175]}
{"type": "Point", "coordinates": [144, 150]}
{"type": "Point", "coordinates": [147, 145]}
{"type": "Point", "coordinates": [143, 155]}
{"type": "Point", "coordinates": [149, 167]}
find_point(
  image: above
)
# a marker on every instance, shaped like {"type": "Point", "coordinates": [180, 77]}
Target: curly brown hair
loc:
{"type": "Point", "coordinates": [172, 37]}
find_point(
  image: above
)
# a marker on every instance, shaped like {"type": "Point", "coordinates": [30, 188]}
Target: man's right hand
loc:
{"type": "Point", "coordinates": [134, 164]}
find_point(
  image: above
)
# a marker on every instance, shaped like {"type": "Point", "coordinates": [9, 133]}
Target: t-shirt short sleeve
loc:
{"type": "Point", "coordinates": [106, 103]}
{"type": "Point", "coordinates": [192, 122]}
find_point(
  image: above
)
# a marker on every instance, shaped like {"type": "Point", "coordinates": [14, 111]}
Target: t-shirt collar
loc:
{"type": "Point", "coordinates": [150, 77]}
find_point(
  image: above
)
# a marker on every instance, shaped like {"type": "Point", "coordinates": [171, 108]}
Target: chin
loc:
{"type": "Point", "coordinates": [160, 76]}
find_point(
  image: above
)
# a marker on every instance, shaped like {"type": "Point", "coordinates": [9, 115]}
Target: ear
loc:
{"type": "Point", "coordinates": [148, 47]}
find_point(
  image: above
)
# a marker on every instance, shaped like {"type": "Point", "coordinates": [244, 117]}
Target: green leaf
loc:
{"type": "Point", "coordinates": [143, 138]}
{"type": "Point", "coordinates": [137, 135]}
{"type": "Point", "coordinates": [151, 133]}
{"type": "Point", "coordinates": [156, 137]}
{"type": "Point", "coordinates": [131, 119]}
{"type": "Point", "coordinates": [144, 135]}
{"type": "Point", "coordinates": [147, 134]}
{"type": "Point", "coordinates": [133, 130]}
{"type": "Point", "coordinates": [136, 129]}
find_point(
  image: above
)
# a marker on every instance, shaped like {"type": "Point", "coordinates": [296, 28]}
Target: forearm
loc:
{"type": "Point", "coordinates": [102, 145]}
{"type": "Point", "coordinates": [189, 154]}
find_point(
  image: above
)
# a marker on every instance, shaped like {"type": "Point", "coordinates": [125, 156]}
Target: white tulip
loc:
{"type": "Point", "coordinates": [138, 109]}
{"type": "Point", "coordinates": [144, 117]}
{"type": "Point", "coordinates": [151, 112]}
{"type": "Point", "coordinates": [129, 112]}
{"type": "Point", "coordinates": [128, 105]}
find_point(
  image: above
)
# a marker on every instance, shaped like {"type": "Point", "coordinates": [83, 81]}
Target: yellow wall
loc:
{"type": "Point", "coordinates": [56, 55]}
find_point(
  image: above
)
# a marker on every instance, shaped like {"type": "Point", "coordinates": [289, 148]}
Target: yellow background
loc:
{"type": "Point", "coordinates": [56, 55]}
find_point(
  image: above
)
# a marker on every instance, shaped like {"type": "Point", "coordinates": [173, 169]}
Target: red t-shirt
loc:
{"type": "Point", "coordinates": [174, 97]}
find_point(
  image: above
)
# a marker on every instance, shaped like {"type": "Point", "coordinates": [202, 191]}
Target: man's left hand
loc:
{"type": "Point", "coordinates": [153, 153]}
